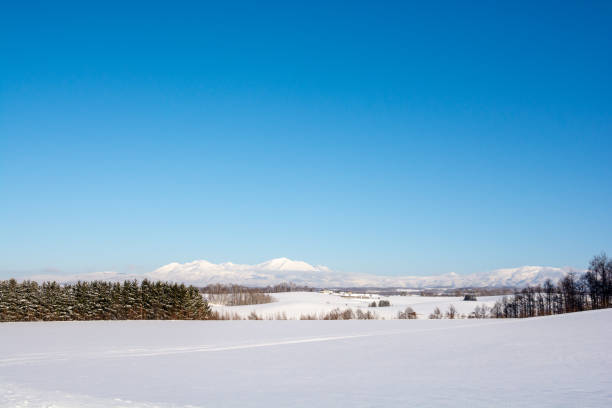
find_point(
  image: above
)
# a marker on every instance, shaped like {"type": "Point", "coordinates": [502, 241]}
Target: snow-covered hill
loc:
{"type": "Point", "coordinates": [280, 270]}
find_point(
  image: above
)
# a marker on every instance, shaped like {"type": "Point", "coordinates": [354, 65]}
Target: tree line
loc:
{"type": "Point", "coordinates": [239, 298]}
{"type": "Point", "coordinates": [219, 289]}
{"type": "Point", "coordinates": [100, 300]}
{"type": "Point", "coordinates": [574, 293]}
{"type": "Point", "coordinates": [238, 295]}
{"type": "Point", "coordinates": [475, 291]}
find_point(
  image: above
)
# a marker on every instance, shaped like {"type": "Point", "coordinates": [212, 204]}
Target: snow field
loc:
{"type": "Point", "coordinates": [295, 304]}
{"type": "Point", "coordinates": [556, 361]}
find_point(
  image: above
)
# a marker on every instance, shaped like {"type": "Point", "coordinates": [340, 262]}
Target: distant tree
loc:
{"type": "Point", "coordinates": [599, 281]}
{"type": "Point", "coordinates": [549, 290]}
{"type": "Point", "coordinates": [254, 316]}
{"type": "Point", "coordinates": [451, 313]}
{"type": "Point", "coordinates": [407, 313]}
{"type": "Point", "coordinates": [481, 312]}
{"type": "Point", "coordinates": [436, 314]}
{"type": "Point", "coordinates": [368, 315]}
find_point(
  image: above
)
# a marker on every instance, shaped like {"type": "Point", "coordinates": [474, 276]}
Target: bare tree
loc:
{"type": "Point", "coordinates": [451, 313]}
{"type": "Point", "coordinates": [436, 314]}
{"type": "Point", "coordinates": [408, 313]}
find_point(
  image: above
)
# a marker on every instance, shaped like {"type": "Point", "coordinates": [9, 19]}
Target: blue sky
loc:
{"type": "Point", "coordinates": [390, 138]}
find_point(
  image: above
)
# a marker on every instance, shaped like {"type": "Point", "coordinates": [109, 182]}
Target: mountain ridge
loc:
{"type": "Point", "coordinates": [278, 270]}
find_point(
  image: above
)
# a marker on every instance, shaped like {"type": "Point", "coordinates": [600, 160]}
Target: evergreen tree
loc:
{"type": "Point", "coordinates": [99, 300]}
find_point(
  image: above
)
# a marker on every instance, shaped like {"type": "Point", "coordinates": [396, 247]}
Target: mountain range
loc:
{"type": "Point", "coordinates": [279, 270]}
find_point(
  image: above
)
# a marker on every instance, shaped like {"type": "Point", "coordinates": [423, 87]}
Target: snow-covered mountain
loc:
{"type": "Point", "coordinates": [280, 270]}
{"type": "Point", "coordinates": [286, 270]}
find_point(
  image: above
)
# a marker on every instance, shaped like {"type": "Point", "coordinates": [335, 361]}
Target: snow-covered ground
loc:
{"type": "Point", "coordinates": [558, 361]}
{"type": "Point", "coordinates": [295, 304]}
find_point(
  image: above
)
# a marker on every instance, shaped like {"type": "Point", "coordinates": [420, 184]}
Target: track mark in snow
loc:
{"type": "Point", "coordinates": [150, 352]}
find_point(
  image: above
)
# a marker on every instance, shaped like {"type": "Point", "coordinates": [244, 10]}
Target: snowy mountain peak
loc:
{"type": "Point", "coordinates": [286, 264]}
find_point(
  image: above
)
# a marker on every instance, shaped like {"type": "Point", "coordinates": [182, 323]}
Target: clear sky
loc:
{"type": "Point", "coordinates": [378, 137]}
